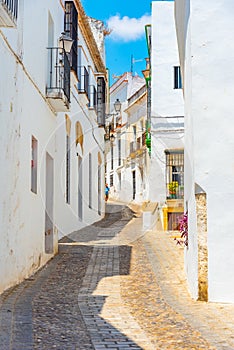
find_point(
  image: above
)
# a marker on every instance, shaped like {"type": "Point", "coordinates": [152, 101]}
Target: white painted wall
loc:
{"type": "Point", "coordinates": [133, 114]}
{"type": "Point", "coordinates": [207, 52]}
{"type": "Point", "coordinates": [166, 102]}
{"type": "Point", "coordinates": [25, 112]}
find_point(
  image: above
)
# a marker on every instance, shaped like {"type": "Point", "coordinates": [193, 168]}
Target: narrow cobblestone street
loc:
{"type": "Point", "coordinates": [113, 286]}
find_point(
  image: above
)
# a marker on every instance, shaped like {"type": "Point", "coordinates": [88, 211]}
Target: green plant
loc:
{"type": "Point", "coordinates": [173, 186]}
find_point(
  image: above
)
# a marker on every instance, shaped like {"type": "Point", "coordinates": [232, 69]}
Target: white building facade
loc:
{"type": "Point", "coordinates": [127, 156]}
{"type": "Point", "coordinates": [167, 117]}
{"type": "Point", "coordinates": [206, 56]}
{"type": "Point", "coordinates": [52, 111]}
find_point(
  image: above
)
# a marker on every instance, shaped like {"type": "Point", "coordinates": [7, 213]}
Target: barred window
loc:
{"type": "Point", "coordinates": [175, 173]}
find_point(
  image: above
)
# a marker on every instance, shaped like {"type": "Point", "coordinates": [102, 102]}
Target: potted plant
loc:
{"type": "Point", "coordinates": [173, 186]}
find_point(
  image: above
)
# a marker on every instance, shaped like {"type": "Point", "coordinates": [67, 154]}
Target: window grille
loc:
{"type": "Point", "coordinates": [175, 173]}
{"type": "Point", "coordinates": [101, 101]}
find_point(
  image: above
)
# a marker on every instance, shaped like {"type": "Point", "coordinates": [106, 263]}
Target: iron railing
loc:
{"type": "Point", "coordinates": [59, 73]}
{"type": "Point", "coordinates": [175, 173]}
{"type": "Point", "coordinates": [11, 7]}
{"type": "Point", "coordinates": [83, 76]}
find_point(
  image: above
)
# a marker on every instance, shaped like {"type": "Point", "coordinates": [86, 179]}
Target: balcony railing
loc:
{"type": "Point", "coordinates": [8, 13]}
{"type": "Point", "coordinates": [83, 76]}
{"type": "Point", "coordinates": [58, 86]}
{"type": "Point", "coordinates": [93, 97]}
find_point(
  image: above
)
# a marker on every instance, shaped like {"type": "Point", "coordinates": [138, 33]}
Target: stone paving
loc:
{"type": "Point", "coordinates": [112, 286]}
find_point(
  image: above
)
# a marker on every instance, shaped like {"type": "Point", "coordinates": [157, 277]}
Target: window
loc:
{"type": "Point", "coordinates": [111, 180]}
{"type": "Point", "coordinates": [83, 84]}
{"type": "Point", "coordinates": [99, 189]}
{"type": "Point", "coordinates": [144, 138]}
{"type": "Point", "coordinates": [101, 100]}
{"type": "Point", "coordinates": [68, 168]}
{"type": "Point", "coordinates": [119, 151]}
{"type": "Point", "coordinates": [134, 132]}
{"type": "Point", "coordinates": [119, 178]}
{"type": "Point", "coordinates": [134, 184]}
{"type": "Point", "coordinates": [93, 97]}
{"type": "Point", "coordinates": [34, 150]}
{"type": "Point", "coordinates": [177, 78]}
{"type": "Point", "coordinates": [80, 188]}
{"type": "Point", "coordinates": [112, 157]}
{"type": "Point", "coordinates": [70, 28]}
{"type": "Point", "coordinates": [138, 143]}
{"type": "Point", "coordinates": [175, 173]}
{"type": "Point", "coordinates": [90, 180]}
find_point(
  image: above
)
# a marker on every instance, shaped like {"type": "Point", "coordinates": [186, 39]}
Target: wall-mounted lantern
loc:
{"type": "Point", "coordinates": [65, 42]}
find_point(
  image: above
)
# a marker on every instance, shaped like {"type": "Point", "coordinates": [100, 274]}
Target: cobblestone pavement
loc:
{"type": "Point", "coordinates": [112, 286]}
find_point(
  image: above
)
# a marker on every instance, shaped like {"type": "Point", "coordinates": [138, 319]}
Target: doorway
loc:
{"type": "Point", "coordinates": [80, 188]}
{"type": "Point", "coordinates": [99, 190]}
{"type": "Point", "coordinates": [134, 184]}
{"type": "Point", "coordinates": [49, 205]}
{"type": "Point", "coordinates": [173, 221]}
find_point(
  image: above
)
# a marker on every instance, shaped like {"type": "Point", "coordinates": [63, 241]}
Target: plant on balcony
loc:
{"type": "Point", "coordinates": [173, 187]}
{"type": "Point", "coordinates": [183, 227]}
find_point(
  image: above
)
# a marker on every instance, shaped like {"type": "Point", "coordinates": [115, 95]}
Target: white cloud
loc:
{"type": "Point", "coordinates": [127, 29]}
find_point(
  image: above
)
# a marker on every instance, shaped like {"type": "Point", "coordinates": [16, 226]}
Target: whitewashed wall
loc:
{"type": "Point", "coordinates": [167, 133]}
{"type": "Point", "coordinates": [25, 112]}
{"type": "Point", "coordinates": [123, 89]}
{"type": "Point", "coordinates": [207, 52]}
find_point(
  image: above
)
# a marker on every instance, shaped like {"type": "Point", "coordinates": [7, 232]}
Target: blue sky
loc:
{"type": "Point", "coordinates": [127, 20]}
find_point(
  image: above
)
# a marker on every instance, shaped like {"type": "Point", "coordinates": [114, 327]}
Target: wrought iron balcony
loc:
{"type": "Point", "coordinates": [58, 86]}
{"type": "Point", "coordinates": [8, 13]}
{"type": "Point", "coordinates": [83, 84]}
